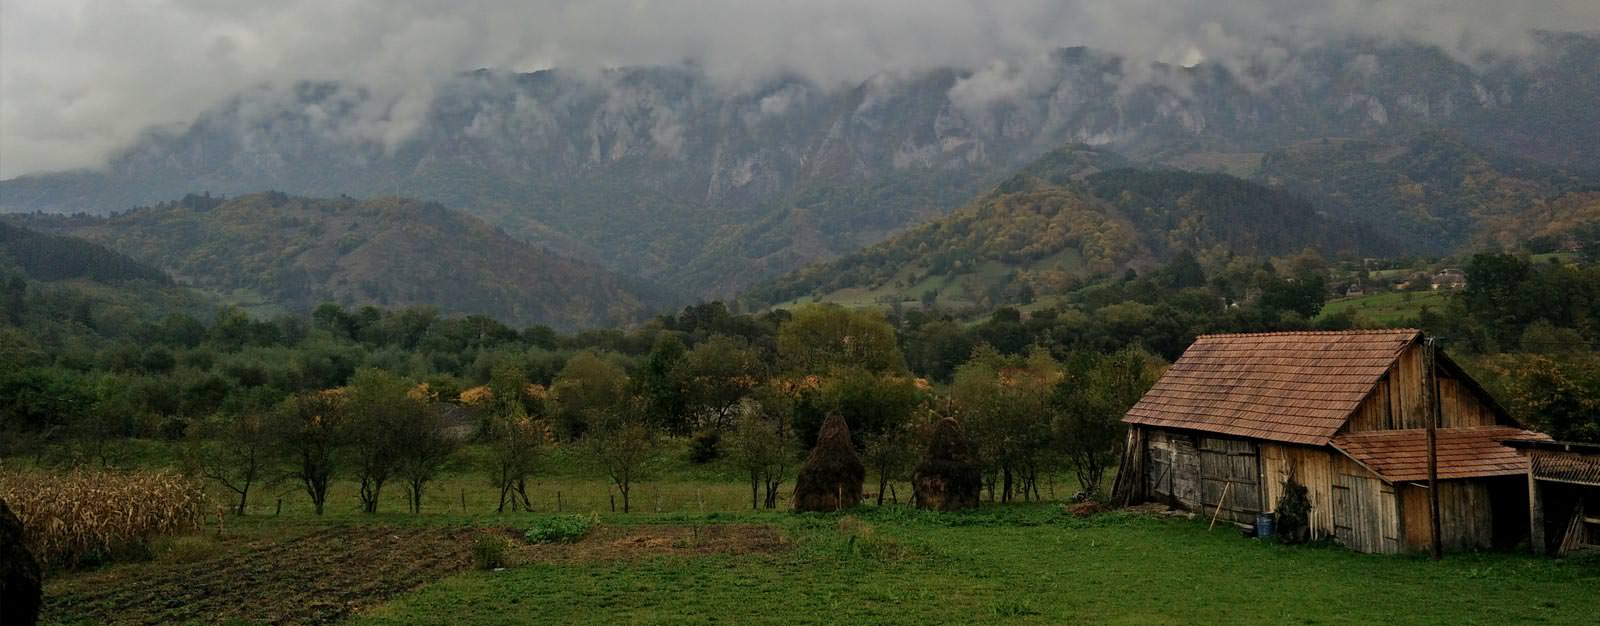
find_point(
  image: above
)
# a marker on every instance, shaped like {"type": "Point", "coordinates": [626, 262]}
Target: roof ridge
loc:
{"type": "Point", "coordinates": [1293, 333]}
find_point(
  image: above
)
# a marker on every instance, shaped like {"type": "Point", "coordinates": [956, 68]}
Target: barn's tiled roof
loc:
{"type": "Point", "coordinates": [1473, 452]}
{"type": "Point", "coordinates": [1296, 387]}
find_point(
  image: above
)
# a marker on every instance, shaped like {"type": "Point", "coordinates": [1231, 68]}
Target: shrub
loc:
{"type": "Point", "coordinates": [489, 552]}
{"type": "Point", "coordinates": [1294, 513]}
{"type": "Point", "coordinates": [705, 447]}
{"type": "Point", "coordinates": [565, 529]}
{"type": "Point", "coordinates": [89, 516]}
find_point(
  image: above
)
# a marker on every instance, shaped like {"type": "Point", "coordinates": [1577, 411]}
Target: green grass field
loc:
{"type": "Point", "coordinates": [1025, 564]}
{"type": "Point", "coordinates": [1388, 308]}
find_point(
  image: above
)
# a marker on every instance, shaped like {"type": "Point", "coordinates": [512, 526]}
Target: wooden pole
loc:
{"type": "Point", "coordinates": [1431, 393]}
{"type": "Point", "coordinates": [1225, 488]}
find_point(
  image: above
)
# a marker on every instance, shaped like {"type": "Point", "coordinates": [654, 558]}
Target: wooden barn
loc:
{"type": "Point", "coordinates": [1343, 413]}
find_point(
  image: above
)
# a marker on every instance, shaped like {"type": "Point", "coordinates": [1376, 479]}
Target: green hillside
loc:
{"type": "Point", "coordinates": [1434, 193]}
{"type": "Point", "coordinates": [274, 249]}
{"type": "Point", "coordinates": [46, 257]}
{"type": "Point", "coordinates": [1076, 213]}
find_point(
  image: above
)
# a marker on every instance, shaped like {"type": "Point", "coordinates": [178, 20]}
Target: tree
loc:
{"type": "Point", "coordinates": [1004, 403]}
{"type": "Point", "coordinates": [622, 444]}
{"type": "Point", "coordinates": [821, 338]}
{"type": "Point", "coordinates": [1088, 407]}
{"type": "Point", "coordinates": [307, 429]}
{"type": "Point", "coordinates": [716, 376]}
{"type": "Point", "coordinates": [586, 391]}
{"type": "Point", "coordinates": [763, 441]}
{"type": "Point", "coordinates": [513, 438]}
{"type": "Point", "coordinates": [658, 380]}
{"type": "Point", "coordinates": [235, 451]}
{"type": "Point", "coordinates": [381, 412]}
{"type": "Point", "coordinates": [421, 448]}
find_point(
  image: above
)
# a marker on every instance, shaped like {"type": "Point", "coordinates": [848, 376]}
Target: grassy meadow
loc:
{"type": "Point", "coordinates": [1022, 564]}
{"type": "Point", "coordinates": [694, 553]}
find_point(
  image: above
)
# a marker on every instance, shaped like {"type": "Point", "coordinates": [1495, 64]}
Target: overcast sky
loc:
{"type": "Point", "coordinates": [81, 78]}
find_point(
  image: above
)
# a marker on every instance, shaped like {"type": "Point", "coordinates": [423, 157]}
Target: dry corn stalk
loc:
{"type": "Point", "coordinates": [71, 517]}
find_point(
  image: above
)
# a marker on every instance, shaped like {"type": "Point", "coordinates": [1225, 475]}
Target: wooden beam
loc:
{"type": "Point", "coordinates": [1430, 383]}
{"type": "Point", "coordinates": [1536, 541]}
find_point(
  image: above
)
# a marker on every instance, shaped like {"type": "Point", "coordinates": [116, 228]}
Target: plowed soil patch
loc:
{"type": "Point", "coordinates": [625, 542]}
{"type": "Point", "coordinates": [317, 578]}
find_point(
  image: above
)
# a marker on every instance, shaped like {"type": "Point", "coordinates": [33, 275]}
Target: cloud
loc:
{"type": "Point", "coordinates": [82, 78]}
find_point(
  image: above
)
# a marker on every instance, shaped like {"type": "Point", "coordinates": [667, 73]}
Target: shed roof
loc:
{"type": "Point", "coordinates": [1293, 387]}
{"type": "Point", "coordinates": [1472, 452]}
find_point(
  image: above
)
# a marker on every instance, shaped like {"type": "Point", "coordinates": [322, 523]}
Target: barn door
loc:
{"type": "Point", "coordinates": [1174, 469]}
{"type": "Point", "coordinates": [1230, 473]}
{"type": "Point", "coordinates": [1364, 516]}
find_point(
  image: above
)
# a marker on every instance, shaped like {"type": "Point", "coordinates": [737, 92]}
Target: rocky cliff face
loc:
{"type": "Point", "coordinates": [668, 174]}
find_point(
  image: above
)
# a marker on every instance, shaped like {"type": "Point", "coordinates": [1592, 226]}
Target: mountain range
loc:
{"type": "Point", "coordinates": [705, 187]}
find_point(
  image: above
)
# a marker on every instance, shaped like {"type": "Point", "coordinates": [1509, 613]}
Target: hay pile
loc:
{"type": "Point", "coordinates": [19, 574]}
{"type": "Point", "coordinates": [830, 479]}
{"type": "Point", "coordinates": [948, 477]}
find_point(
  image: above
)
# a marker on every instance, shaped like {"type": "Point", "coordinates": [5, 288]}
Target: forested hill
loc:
{"type": "Point", "coordinates": [1063, 220]}
{"type": "Point", "coordinates": [1436, 193]}
{"type": "Point", "coordinates": [47, 257]}
{"type": "Point", "coordinates": [297, 252]}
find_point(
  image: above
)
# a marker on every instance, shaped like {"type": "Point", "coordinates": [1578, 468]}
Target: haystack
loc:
{"type": "Point", "coordinates": [948, 477]}
{"type": "Point", "coordinates": [831, 477]}
{"type": "Point", "coordinates": [19, 574]}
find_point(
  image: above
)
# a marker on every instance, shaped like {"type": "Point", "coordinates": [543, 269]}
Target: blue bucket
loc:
{"type": "Point", "coordinates": [1264, 525]}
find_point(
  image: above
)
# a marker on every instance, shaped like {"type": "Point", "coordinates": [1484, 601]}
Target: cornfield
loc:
{"type": "Point", "coordinates": [74, 517]}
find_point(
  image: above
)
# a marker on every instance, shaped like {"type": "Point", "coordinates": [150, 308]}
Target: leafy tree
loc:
{"type": "Point", "coordinates": [235, 451]}
{"type": "Point", "coordinates": [513, 438]}
{"type": "Point", "coordinates": [1004, 402]}
{"type": "Point", "coordinates": [382, 415]}
{"type": "Point", "coordinates": [822, 338]}
{"type": "Point", "coordinates": [307, 430]}
{"type": "Point", "coordinates": [1088, 407]}
{"type": "Point", "coordinates": [659, 380]}
{"type": "Point", "coordinates": [716, 376]}
{"type": "Point", "coordinates": [763, 442]}
{"type": "Point", "coordinates": [622, 444]}
{"type": "Point", "coordinates": [589, 390]}
{"type": "Point", "coordinates": [421, 448]}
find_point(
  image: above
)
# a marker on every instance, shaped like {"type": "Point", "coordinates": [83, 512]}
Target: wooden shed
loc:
{"type": "Point", "coordinates": [1342, 413]}
{"type": "Point", "coordinates": [1564, 495]}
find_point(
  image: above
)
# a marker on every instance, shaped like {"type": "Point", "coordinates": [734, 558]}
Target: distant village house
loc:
{"type": "Point", "coordinates": [1449, 279]}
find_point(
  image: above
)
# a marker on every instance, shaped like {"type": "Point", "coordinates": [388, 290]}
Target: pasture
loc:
{"type": "Point", "coordinates": [707, 558]}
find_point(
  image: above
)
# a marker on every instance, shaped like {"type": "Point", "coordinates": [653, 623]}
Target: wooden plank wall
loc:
{"type": "Point", "coordinates": [1230, 467]}
{"type": "Point", "coordinates": [1397, 401]}
{"type": "Point", "coordinates": [1310, 467]}
{"type": "Point", "coordinates": [1365, 516]}
{"type": "Point", "coordinates": [1174, 468]}
{"type": "Point", "coordinates": [1466, 517]}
